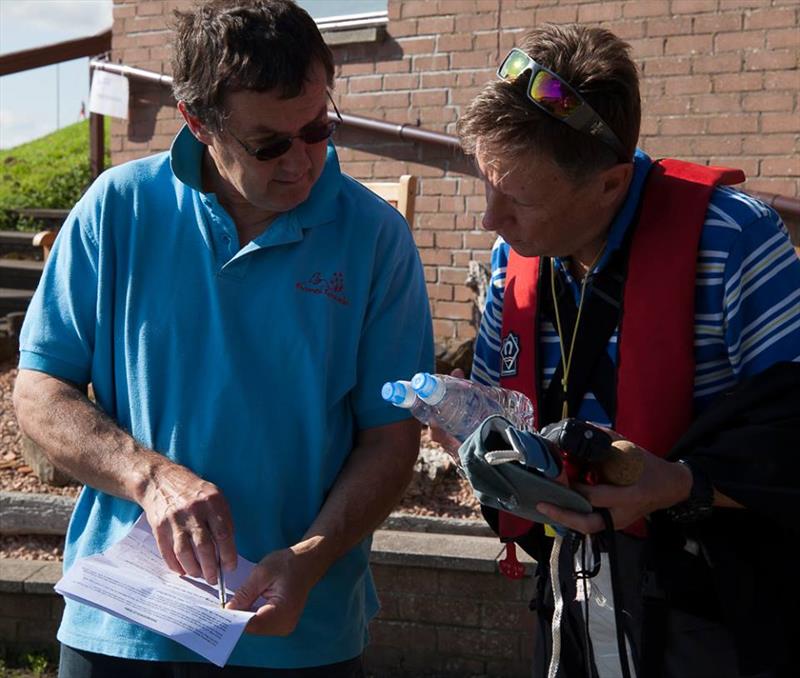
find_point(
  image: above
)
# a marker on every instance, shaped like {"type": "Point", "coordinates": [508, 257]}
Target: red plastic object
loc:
{"type": "Point", "coordinates": [511, 567]}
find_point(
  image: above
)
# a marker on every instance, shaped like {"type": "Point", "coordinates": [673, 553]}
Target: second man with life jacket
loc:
{"type": "Point", "coordinates": [634, 294]}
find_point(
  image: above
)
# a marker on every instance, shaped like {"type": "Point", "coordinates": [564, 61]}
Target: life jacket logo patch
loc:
{"type": "Point", "coordinates": [509, 352]}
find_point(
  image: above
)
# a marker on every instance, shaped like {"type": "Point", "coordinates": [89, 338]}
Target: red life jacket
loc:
{"type": "Point", "coordinates": [655, 363]}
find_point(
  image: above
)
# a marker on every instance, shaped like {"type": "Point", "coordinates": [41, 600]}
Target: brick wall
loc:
{"type": "Point", "coordinates": [441, 622]}
{"type": "Point", "coordinates": [30, 610]}
{"type": "Point", "coordinates": [720, 82]}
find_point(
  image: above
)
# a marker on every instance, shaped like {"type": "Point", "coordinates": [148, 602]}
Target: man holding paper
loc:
{"type": "Point", "coordinates": [232, 303]}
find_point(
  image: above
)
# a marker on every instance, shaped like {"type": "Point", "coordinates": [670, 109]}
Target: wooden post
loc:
{"type": "Point", "coordinates": [97, 140]}
{"type": "Point", "coordinates": [96, 144]}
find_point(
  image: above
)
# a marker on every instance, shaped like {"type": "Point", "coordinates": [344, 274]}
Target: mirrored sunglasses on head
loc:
{"type": "Point", "coordinates": [311, 134]}
{"type": "Point", "coordinates": [550, 93]}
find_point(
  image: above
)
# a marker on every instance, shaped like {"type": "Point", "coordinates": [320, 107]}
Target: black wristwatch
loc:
{"type": "Point", "coordinates": [701, 498]}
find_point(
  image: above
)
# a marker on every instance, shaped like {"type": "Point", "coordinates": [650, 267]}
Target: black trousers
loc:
{"type": "Point", "coordinates": [693, 647]}
{"type": "Point", "coordinates": [79, 664]}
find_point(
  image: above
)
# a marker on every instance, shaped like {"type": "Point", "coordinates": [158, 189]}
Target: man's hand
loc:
{"type": "Point", "coordinates": [283, 579]}
{"type": "Point", "coordinates": [190, 519]}
{"type": "Point", "coordinates": [188, 515]}
{"type": "Point", "coordinates": [660, 485]}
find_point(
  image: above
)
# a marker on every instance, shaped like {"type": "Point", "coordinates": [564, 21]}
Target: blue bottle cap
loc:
{"type": "Point", "coordinates": [398, 393]}
{"type": "Point", "coordinates": [424, 384]}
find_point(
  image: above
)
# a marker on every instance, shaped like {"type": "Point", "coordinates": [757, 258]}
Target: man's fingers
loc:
{"type": "Point", "coordinates": [586, 523]}
{"type": "Point", "coordinates": [282, 581]}
{"type": "Point", "coordinates": [221, 525]}
{"type": "Point", "coordinates": [611, 432]}
{"type": "Point", "coordinates": [195, 551]}
{"type": "Point", "coordinates": [163, 535]}
{"type": "Point", "coordinates": [184, 552]}
{"type": "Point", "coordinates": [251, 589]}
{"type": "Point", "coordinates": [191, 520]}
{"type": "Point", "coordinates": [206, 553]}
{"type": "Point", "coordinates": [604, 496]}
{"type": "Point", "coordinates": [274, 618]}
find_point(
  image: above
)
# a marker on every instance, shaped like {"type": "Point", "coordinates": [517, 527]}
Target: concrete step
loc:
{"type": "Point", "coordinates": [20, 274]}
{"type": "Point", "coordinates": [19, 243]}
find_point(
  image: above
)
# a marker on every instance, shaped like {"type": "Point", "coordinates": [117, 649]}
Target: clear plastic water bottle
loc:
{"type": "Point", "coordinates": [458, 406]}
{"type": "Point", "coordinates": [400, 394]}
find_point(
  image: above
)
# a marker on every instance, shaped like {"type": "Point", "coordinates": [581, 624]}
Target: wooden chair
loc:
{"type": "Point", "coordinates": [400, 194]}
{"type": "Point", "coordinates": [45, 240]}
{"type": "Point", "coordinates": [52, 219]}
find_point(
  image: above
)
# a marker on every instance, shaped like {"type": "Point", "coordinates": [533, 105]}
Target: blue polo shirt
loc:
{"type": "Point", "coordinates": [255, 367]}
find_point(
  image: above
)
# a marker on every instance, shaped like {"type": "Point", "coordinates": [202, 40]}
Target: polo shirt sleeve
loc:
{"type": "Point", "coordinates": [762, 297]}
{"type": "Point", "coordinates": [396, 335]}
{"type": "Point", "coordinates": [58, 333]}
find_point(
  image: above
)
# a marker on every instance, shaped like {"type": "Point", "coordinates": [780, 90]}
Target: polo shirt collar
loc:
{"type": "Point", "coordinates": [186, 160]}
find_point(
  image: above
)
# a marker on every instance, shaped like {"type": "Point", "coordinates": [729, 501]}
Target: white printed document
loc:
{"type": "Point", "coordinates": [131, 580]}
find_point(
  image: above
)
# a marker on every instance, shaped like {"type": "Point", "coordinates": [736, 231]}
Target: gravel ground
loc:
{"type": "Point", "coordinates": [15, 475]}
{"type": "Point", "coordinates": [447, 496]}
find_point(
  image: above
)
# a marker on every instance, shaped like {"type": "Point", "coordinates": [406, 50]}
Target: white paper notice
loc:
{"type": "Point", "coordinates": [130, 580]}
{"type": "Point", "coordinates": [109, 94]}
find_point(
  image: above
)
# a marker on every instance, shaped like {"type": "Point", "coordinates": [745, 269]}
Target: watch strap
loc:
{"type": "Point", "coordinates": [700, 502]}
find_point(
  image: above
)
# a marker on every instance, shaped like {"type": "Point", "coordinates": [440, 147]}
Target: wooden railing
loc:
{"type": "Point", "coordinates": [92, 46]}
{"type": "Point", "coordinates": [36, 57]}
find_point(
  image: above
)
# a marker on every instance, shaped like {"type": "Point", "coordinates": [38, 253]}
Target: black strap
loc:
{"type": "Point", "coordinates": [592, 368]}
{"type": "Point", "coordinates": [616, 590]}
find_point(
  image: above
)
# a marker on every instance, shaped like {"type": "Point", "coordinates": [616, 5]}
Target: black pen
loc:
{"type": "Point", "coordinates": [220, 580]}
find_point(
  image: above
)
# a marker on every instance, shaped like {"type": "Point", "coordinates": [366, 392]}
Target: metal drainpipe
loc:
{"type": "Point", "coordinates": [404, 131]}
{"type": "Point", "coordinates": [786, 205]}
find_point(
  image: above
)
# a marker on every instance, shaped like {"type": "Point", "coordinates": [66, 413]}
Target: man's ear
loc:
{"type": "Point", "coordinates": [197, 128]}
{"type": "Point", "coordinates": [615, 182]}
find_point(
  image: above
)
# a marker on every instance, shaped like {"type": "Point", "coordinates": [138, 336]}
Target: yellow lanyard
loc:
{"type": "Point", "coordinates": [566, 359]}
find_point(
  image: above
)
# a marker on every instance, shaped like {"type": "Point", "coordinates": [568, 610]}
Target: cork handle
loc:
{"type": "Point", "coordinates": [623, 466]}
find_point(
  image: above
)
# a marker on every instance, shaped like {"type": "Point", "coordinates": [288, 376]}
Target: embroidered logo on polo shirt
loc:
{"type": "Point", "coordinates": [332, 287]}
{"type": "Point", "coordinates": [509, 352]}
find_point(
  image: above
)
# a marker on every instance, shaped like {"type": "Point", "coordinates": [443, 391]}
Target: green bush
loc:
{"type": "Point", "coordinates": [49, 172]}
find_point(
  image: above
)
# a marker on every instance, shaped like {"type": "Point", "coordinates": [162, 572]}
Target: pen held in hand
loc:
{"type": "Point", "coordinates": [220, 580]}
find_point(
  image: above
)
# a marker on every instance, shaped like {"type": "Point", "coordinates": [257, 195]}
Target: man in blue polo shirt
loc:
{"type": "Point", "coordinates": [234, 304]}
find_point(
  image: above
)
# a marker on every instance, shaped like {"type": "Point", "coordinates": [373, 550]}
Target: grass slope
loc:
{"type": "Point", "coordinates": [52, 172]}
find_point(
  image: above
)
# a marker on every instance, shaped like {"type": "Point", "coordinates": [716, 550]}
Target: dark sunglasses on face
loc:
{"type": "Point", "coordinates": [313, 133]}
{"type": "Point", "coordinates": [556, 98]}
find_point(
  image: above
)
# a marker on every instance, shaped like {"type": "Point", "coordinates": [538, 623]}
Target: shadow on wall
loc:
{"type": "Point", "coordinates": [147, 99]}
{"type": "Point", "coordinates": [383, 146]}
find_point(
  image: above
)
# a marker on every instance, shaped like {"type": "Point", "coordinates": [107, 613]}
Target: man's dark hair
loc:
{"type": "Point", "coordinates": [597, 64]}
{"type": "Point", "coordinates": [224, 46]}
